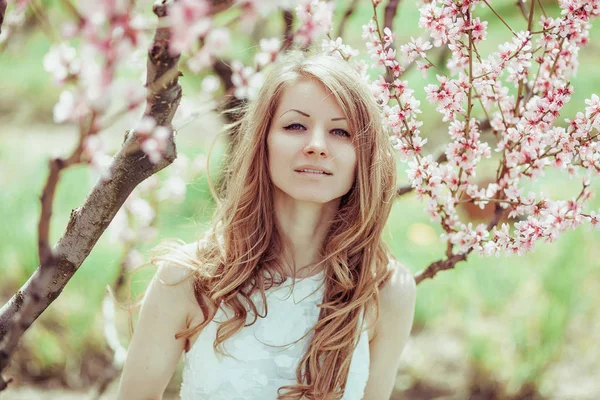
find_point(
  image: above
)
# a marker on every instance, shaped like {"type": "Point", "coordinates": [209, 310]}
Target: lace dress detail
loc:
{"type": "Point", "coordinates": [264, 355]}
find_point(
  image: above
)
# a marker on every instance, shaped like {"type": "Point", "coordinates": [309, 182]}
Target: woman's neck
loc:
{"type": "Point", "coordinates": [303, 226]}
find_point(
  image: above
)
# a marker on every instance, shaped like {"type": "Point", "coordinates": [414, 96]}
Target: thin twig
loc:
{"type": "Point", "coordinates": [522, 8]}
{"type": "Point", "coordinates": [44, 23]}
{"type": "Point", "coordinates": [470, 93]}
{"type": "Point", "coordinates": [68, 4]}
{"type": "Point", "coordinates": [542, 8]}
{"type": "Point", "coordinates": [522, 82]}
{"type": "Point", "coordinates": [500, 18]}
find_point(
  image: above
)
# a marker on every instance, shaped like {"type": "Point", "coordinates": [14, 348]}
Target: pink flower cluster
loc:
{"type": "Point", "coordinates": [401, 118]}
{"type": "Point", "coordinates": [527, 140]}
{"type": "Point", "coordinates": [189, 21]}
{"type": "Point", "coordinates": [107, 33]}
{"type": "Point", "coordinates": [315, 20]}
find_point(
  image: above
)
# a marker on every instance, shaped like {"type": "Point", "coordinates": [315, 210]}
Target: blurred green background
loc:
{"type": "Point", "coordinates": [493, 328]}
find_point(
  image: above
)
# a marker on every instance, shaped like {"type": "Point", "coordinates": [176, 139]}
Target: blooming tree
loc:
{"type": "Point", "coordinates": [518, 90]}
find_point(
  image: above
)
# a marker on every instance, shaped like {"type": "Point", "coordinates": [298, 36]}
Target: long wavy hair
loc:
{"type": "Point", "coordinates": [240, 254]}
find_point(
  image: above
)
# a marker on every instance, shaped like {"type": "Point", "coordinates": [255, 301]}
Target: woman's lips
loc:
{"type": "Point", "coordinates": [312, 173]}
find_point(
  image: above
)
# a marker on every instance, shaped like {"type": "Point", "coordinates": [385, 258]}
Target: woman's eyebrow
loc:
{"type": "Point", "coordinates": [306, 115]}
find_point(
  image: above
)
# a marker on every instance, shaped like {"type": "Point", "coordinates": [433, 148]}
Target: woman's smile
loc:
{"type": "Point", "coordinates": [312, 173]}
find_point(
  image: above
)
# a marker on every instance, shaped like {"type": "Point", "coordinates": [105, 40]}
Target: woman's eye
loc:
{"type": "Point", "coordinates": [341, 132]}
{"type": "Point", "coordinates": [291, 127]}
{"type": "Point", "coordinates": [338, 132]}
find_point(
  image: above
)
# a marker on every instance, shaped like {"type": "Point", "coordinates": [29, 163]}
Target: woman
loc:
{"type": "Point", "coordinates": [311, 304]}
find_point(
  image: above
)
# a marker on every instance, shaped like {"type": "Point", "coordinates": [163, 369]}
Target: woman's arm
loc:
{"type": "Point", "coordinates": [154, 352]}
{"type": "Point", "coordinates": [397, 306]}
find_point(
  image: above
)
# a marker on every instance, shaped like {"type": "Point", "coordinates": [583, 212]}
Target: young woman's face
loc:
{"type": "Point", "coordinates": [310, 132]}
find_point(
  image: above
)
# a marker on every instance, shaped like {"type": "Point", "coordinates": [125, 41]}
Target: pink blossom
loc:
{"type": "Point", "coordinates": [151, 147]}
{"type": "Point", "coordinates": [218, 40]}
{"type": "Point", "coordinates": [173, 189]}
{"type": "Point", "coordinates": [269, 50]}
{"type": "Point", "coordinates": [315, 20]}
{"type": "Point", "coordinates": [388, 37]}
{"type": "Point", "coordinates": [369, 31]}
{"type": "Point", "coordinates": [63, 110]}
{"type": "Point", "coordinates": [416, 48]}
{"type": "Point", "coordinates": [61, 61]}
{"type": "Point", "coordinates": [593, 107]}
{"type": "Point", "coordinates": [100, 162]}
{"type": "Point", "coordinates": [246, 80]}
{"type": "Point", "coordinates": [145, 126]}
{"type": "Point", "coordinates": [210, 84]}
{"type": "Point", "coordinates": [478, 30]}
{"type": "Point", "coordinates": [448, 96]}
{"type": "Point", "coordinates": [70, 107]}
{"type": "Point", "coordinates": [201, 60]}
{"type": "Point", "coordinates": [140, 209]}
{"type": "Point", "coordinates": [381, 90]}
{"type": "Point", "coordinates": [423, 67]}
{"type": "Point", "coordinates": [594, 219]}
{"type": "Point", "coordinates": [189, 20]}
{"type": "Point", "coordinates": [338, 48]}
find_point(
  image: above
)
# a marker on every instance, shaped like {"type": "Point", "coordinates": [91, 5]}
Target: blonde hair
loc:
{"type": "Point", "coordinates": [240, 253]}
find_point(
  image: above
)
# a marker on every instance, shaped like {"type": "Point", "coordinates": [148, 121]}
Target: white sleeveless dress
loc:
{"type": "Point", "coordinates": [259, 368]}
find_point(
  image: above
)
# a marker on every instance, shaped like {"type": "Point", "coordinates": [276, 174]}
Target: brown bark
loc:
{"type": "Point", "coordinates": [453, 259]}
{"type": "Point", "coordinates": [391, 9]}
{"type": "Point", "coordinates": [438, 266]}
{"type": "Point", "coordinates": [347, 14]}
{"type": "Point", "coordinates": [2, 11]}
{"type": "Point", "coordinates": [129, 167]}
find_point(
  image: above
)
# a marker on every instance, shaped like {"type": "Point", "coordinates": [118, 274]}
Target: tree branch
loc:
{"type": "Point", "coordinates": [522, 8]}
{"type": "Point", "coordinates": [452, 260]}
{"type": "Point", "coordinates": [522, 83]}
{"type": "Point", "coordinates": [347, 14]}
{"type": "Point", "coordinates": [391, 9]}
{"type": "Point", "coordinates": [440, 265]}
{"type": "Point", "coordinates": [129, 167]}
{"type": "Point", "coordinates": [3, 5]}
{"type": "Point", "coordinates": [288, 35]}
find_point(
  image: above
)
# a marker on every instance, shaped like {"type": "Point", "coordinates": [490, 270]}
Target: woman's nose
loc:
{"type": "Point", "coordinates": [317, 144]}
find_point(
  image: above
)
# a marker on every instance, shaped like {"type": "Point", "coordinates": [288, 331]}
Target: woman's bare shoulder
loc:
{"type": "Point", "coordinates": [397, 293]}
{"type": "Point", "coordinates": [178, 282]}
{"type": "Point", "coordinates": [400, 288]}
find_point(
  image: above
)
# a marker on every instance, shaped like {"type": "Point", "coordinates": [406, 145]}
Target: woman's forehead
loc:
{"type": "Point", "coordinates": [308, 95]}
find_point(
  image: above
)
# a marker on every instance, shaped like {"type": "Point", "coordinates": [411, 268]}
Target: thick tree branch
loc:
{"type": "Point", "coordinates": [288, 35]}
{"type": "Point", "coordinates": [129, 167]}
{"type": "Point", "coordinates": [440, 265]}
{"type": "Point", "coordinates": [3, 5]}
{"type": "Point", "coordinates": [391, 9]}
{"type": "Point", "coordinates": [402, 190]}
{"type": "Point", "coordinates": [347, 14]}
{"type": "Point", "coordinates": [452, 260]}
